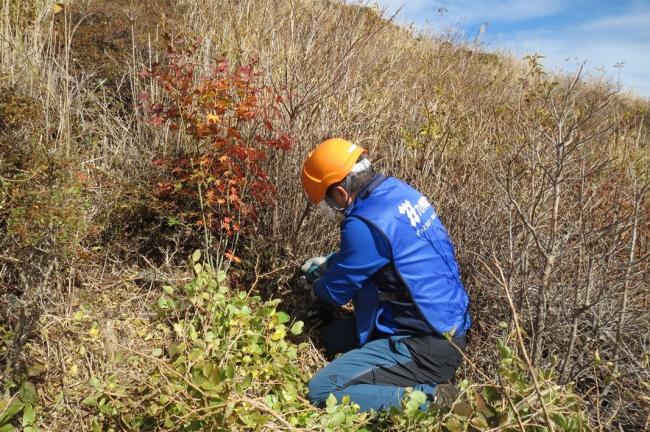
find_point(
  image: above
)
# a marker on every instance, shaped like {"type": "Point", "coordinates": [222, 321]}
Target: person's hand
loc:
{"type": "Point", "coordinates": [313, 268]}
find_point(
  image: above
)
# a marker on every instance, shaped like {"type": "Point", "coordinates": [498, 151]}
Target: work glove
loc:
{"type": "Point", "coordinates": [314, 268]}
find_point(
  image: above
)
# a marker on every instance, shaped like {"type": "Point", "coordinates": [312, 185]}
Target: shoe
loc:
{"type": "Point", "coordinates": [445, 396]}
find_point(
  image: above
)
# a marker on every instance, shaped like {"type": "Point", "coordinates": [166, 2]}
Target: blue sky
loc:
{"type": "Point", "coordinates": [600, 33]}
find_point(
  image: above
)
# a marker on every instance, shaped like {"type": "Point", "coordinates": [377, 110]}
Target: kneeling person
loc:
{"type": "Point", "coordinates": [397, 265]}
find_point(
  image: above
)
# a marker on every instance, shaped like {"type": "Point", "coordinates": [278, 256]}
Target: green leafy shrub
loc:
{"type": "Point", "coordinates": [226, 364]}
{"type": "Point", "coordinates": [12, 406]}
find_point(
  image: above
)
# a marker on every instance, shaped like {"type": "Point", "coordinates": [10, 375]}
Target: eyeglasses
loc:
{"type": "Point", "coordinates": [330, 202]}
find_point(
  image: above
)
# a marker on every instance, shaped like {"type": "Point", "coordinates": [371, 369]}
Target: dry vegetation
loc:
{"type": "Point", "coordinates": [542, 181]}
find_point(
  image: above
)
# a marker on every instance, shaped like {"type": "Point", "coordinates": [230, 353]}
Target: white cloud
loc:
{"type": "Point", "coordinates": [626, 23]}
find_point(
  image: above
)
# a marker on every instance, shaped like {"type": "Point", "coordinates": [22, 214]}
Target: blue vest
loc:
{"type": "Point", "coordinates": [423, 257]}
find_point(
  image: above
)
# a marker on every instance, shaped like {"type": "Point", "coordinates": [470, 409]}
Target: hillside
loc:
{"type": "Point", "coordinates": [134, 133]}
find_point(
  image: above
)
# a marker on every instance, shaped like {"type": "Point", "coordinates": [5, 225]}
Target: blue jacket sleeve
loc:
{"type": "Point", "coordinates": [362, 253]}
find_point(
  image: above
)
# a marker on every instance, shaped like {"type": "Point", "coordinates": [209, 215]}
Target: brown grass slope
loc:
{"type": "Point", "coordinates": [542, 181]}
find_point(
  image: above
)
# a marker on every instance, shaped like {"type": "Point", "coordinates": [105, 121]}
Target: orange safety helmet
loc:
{"type": "Point", "coordinates": [327, 164]}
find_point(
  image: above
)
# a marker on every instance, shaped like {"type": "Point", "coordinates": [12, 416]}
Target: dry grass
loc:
{"type": "Point", "coordinates": [543, 176]}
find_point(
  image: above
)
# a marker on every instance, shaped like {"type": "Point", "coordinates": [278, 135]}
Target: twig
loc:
{"type": "Point", "coordinates": [262, 407]}
{"type": "Point", "coordinates": [520, 340]}
{"type": "Point", "coordinates": [512, 407]}
{"type": "Point", "coordinates": [304, 215]}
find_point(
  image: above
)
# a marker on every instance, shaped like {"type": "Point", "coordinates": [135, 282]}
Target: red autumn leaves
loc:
{"type": "Point", "coordinates": [223, 117]}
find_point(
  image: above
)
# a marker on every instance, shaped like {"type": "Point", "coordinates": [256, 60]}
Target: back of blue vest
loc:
{"type": "Point", "coordinates": [422, 253]}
